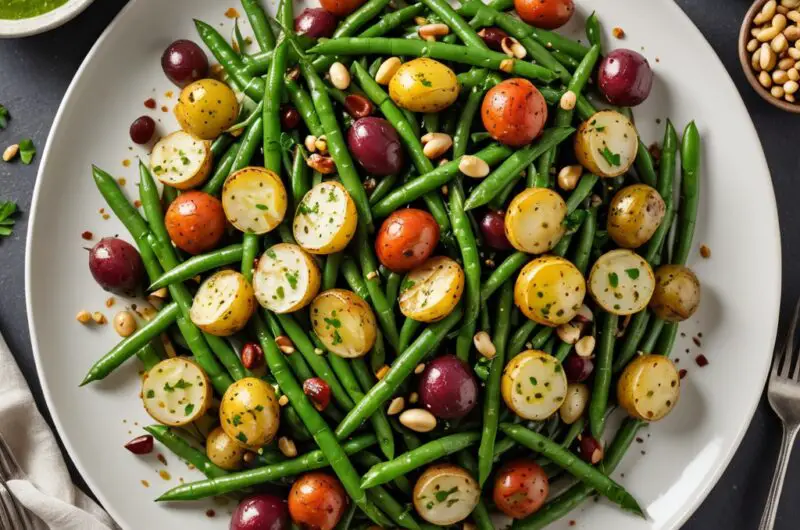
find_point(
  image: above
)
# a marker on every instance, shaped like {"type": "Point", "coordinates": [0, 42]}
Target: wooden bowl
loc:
{"type": "Point", "coordinates": [744, 58]}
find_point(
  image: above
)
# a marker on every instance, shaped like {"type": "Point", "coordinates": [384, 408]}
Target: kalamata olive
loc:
{"type": "Point", "coordinates": [183, 62]}
{"type": "Point", "coordinates": [315, 22]}
{"type": "Point", "coordinates": [493, 37]}
{"type": "Point", "coordinates": [624, 78]}
{"type": "Point", "coordinates": [141, 445]}
{"type": "Point", "coordinates": [590, 450]}
{"type": "Point", "coordinates": [577, 368]}
{"type": "Point", "coordinates": [406, 239]}
{"type": "Point", "coordinates": [493, 230]}
{"type": "Point", "coordinates": [376, 146]}
{"type": "Point", "coordinates": [447, 388]}
{"type": "Point", "coordinates": [358, 106]}
{"type": "Point", "coordinates": [252, 355]}
{"type": "Point", "coordinates": [261, 512]}
{"type": "Point", "coordinates": [142, 129]}
{"type": "Point", "coordinates": [317, 500]}
{"type": "Point", "coordinates": [290, 118]}
{"type": "Point", "coordinates": [318, 391]}
{"type": "Point", "coordinates": [116, 265]}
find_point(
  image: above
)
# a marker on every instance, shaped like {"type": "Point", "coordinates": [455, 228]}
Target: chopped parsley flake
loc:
{"type": "Point", "coordinates": [151, 394]}
{"type": "Point", "coordinates": [291, 277]}
{"type": "Point", "coordinates": [237, 420]}
{"type": "Point", "coordinates": [187, 410]}
{"type": "Point", "coordinates": [334, 322]}
{"type": "Point", "coordinates": [26, 151]}
{"type": "Point", "coordinates": [262, 207]}
{"type": "Point", "coordinates": [632, 273]}
{"type": "Point", "coordinates": [271, 253]}
{"type": "Point", "coordinates": [441, 495]}
{"type": "Point", "coordinates": [613, 279]}
{"type": "Point", "coordinates": [612, 158]}
{"type": "Point", "coordinates": [3, 117]}
{"type": "Point", "coordinates": [242, 437]}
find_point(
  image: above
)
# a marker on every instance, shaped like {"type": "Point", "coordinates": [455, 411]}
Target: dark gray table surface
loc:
{"type": "Point", "coordinates": [35, 73]}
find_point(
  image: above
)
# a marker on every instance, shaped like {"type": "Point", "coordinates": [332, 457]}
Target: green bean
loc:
{"type": "Point", "coordinates": [690, 191]}
{"type": "Point", "coordinates": [344, 523]}
{"type": "Point", "coordinates": [250, 141]}
{"type": "Point", "coordinates": [666, 339]}
{"type": "Point", "coordinates": [408, 331]}
{"type": "Point", "coordinates": [300, 175]}
{"type": "Point", "coordinates": [271, 111]}
{"type": "Point", "coordinates": [502, 273]}
{"type": "Point", "coordinates": [633, 336]}
{"type": "Point", "coordinates": [128, 346]}
{"type": "Point", "coordinates": [520, 337]}
{"type": "Point", "coordinates": [480, 515]}
{"type": "Point", "coordinates": [214, 185]}
{"type": "Point", "coordinates": [430, 121]}
{"type": "Point", "coordinates": [322, 434]}
{"type": "Point", "coordinates": [168, 195]}
{"type": "Point", "coordinates": [400, 515]}
{"type": "Point", "coordinates": [645, 167]}
{"type": "Point", "coordinates": [240, 480]}
{"type": "Point", "coordinates": [459, 26]}
{"type": "Point", "coordinates": [220, 145]}
{"type": "Point", "coordinates": [581, 191]}
{"type": "Point", "coordinates": [318, 363]}
{"type": "Point", "coordinates": [563, 245]}
{"type": "Point", "coordinates": [377, 357]}
{"type": "Point", "coordinates": [602, 374]}
{"type": "Point", "coordinates": [331, 271]}
{"type": "Point", "coordinates": [501, 176]}
{"type": "Point", "coordinates": [541, 337]}
{"type": "Point", "coordinates": [435, 50]}
{"type": "Point", "coordinates": [569, 500]}
{"type": "Point", "coordinates": [468, 112]}
{"type": "Point", "coordinates": [380, 422]}
{"type": "Point", "coordinates": [178, 445]}
{"type": "Point", "coordinates": [250, 248]}
{"type": "Point", "coordinates": [258, 21]}
{"type": "Point", "coordinates": [382, 188]}
{"type": "Point", "coordinates": [491, 399]}
{"type": "Point", "coordinates": [593, 31]}
{"type": "Point", "coordinates": [648, 344]}
{"type": "Point", "coordinates": [149, 355]}
{"type": "Point", "coordinates": [402, 367]}
{"type": "Point", "coordinates": [336, 144]}
{"type": "Point", "coordinates": [368, 459]}
{"type": "Point", "coordinates": [302, 101]}
{"type": "Point", "coordinates": [666, 177]}
{"type": "Point", "coordinates": [393, 287]}
{"type": "Point", "coordinates": [472, 271]}
{"type": "Point", "coordinates": [425, 454]}
{"type": "Point", "coordinates": [500, 199]}
{"type": "Point", "coordinates": [571, 463]}
{"type": "Point", "coordinates": [198, 265]}
{"type": "Point", "coordinates": [230, 61]}
{"type": "Point", "coordinates": [353, 277]}
{"type": "Point", "coordinates": [297, 363]}
{"type": "Point", "coordinates": [416, 188]}
{"type": "Point", "coordinates": [383, 310]}
{"type": "Point", "coordinates": [410, 439]}
{"type": "Point", "coordinates": [583, 250]}
{"type": "Point", "coordinates": [295, 424]}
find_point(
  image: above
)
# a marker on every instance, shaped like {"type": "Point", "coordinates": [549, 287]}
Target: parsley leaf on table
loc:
{"type": "Point", "coordinates": [7, 209]}
{"type": "Point", "coordinates": [3, 117]}
{"type": "Point", "coordinates": [26, 151]}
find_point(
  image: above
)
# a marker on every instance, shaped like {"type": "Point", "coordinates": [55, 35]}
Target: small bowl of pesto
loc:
{"type": "Point", "coordinates": [20, 18]}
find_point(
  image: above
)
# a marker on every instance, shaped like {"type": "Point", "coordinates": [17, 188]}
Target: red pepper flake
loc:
{"type": "Point", "coordinates": [164, 108]}
{"type": "Point", "coordinates": [164, 474]}
{"type": "Point", "coordinates": [682, 373]}
{"type": "Point", "coordinates": [618, 33]}
{"type": "Point", "coordinates": [168, 94]}
{"type": "Point", "coordinates": [639, 440]}
{"type": "Point", "coordinates": [210, 513]}
{"type": "Point", "coordinates": [137, 203]}
{"type": "Point", "coordinates": [87, 235]}
{"type": "Point", "coordinates": [150, 103]}
{"type": "Point", "coordinates": [161, 458]}
{"type": "Point", "coordinates": [145, 484]}
{"type": "Point", "coordinates": [701, 360]}
{"type": "Point", "coordinates": [572, 523]}
{"type": "Point", "coordinates": [696, 341]}
{"type": "Point", "coordinates": [231, 12]}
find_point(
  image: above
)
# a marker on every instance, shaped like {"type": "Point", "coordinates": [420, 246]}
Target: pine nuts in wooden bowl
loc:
{"type": "Point", "coordinates": [769, 50]}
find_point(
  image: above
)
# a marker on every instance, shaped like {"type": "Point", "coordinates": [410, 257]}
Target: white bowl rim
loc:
{"type": "Point", "coordinates": [44, 22]}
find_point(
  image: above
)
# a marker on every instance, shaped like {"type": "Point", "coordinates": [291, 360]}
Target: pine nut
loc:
{"type": "Point", "coordinates": [768, 58]}
{"type": "Point", "coordinates": [574, 403]}
{"type": "Point", "coordinates": [413, 398]}
{"type": "Point", "coordinates": [584, 315]}
{"type": "Point", "coordinates": [786, 63]}
{"type": "Point", "coordinates": [387, 70]}
{"type": "Point", "coordinates": [83, 316]}
{"type": "Point", "coordinates": [778, 25]}
{"type": "Point", "coordinates": [484, 345]}
{"type": "Point", "coordinates": [754, 32]}
{"type": "Point", "coordinates": [792, 33]}
{"type": "Point", "coordinates": [752, 45]}
{"type": "Point", "coordinates": [585, 346]}
{"type": "Point", "coordinates": [765, 79]}
{"type": "Point", "coordinates": [323, 164]}
{"type": "Point", "coordinates": [779, 44]}
{"type": "Point", "coordinates": [311, 143]}
{"type": "Point", "coordinates": [340, 76]}
{"type": "Point", "coordinates": [755, 60]}
{"type": "Point", "coordinates": [420, 21]}
{"type": "Point", "coordinates": [777, 91]}
{"type": "Point", "coordinates": [767, 12]}
{"type": "Point", "coordinates": [793, 15]}
{"type": "Point", "coordinates": [10, 152]}
{"type": "Point", "coordinates": [319, 351]}
{"type": "Point", "coordinates": [283, 400]}
{"type": "Point", "coordinates": [284, 344]}
{"type": "Point", "coordinates": [419, 368]}
{"type": "Point", "coordinates": [396, 406]}
{"type": "Point", "coordinates": [782, 10]}
{"type": "Point", "coordinates": [436, 144]}
{"type": "Point", "coordinates": [790, 4]}
{"type": "Point", "coordinates": [124, 323]}
{"type": "Point", "coordinates": [568, 177]}
{"type": "Point", "coordinates": [793, 74]}
{"type": "Point", "coordinates": [382, 371]}
{"type": "Point", "coordinates": [779, 76]}
{"type": "Point", "coordinates": [418, 420]}
{"type": "Point", "coordinates": [789, 97]}
{"type": "Point", "coordinates": [507, 65]}
{"type": "Point", "coordinates": [790, 87]}
{"type": "Point", "coordinates": [569, 332]}
{"type": "Point", "coordinates": [568, 100]}
{"type": "Point", "coordinates": [431, 31]}
{"type": "Point", "coordinates": [321, 144]}
{"type": "Point", "coordinates": [287, 447]}
{"type": "Point", "coordinates": [99, 318]}
{"type": "Point", "coordinates": [473, 167]}
{"type": "Point", "coordinates": [513, 48]}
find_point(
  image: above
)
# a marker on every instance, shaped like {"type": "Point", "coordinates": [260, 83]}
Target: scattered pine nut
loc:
{"type": "Point", "coordinates": [396, 406]}
{"type": "Point", "coordinates": [419, 368]}
{"type": "Point", "coordinates": [413, 398]}
{"type": "Point", "coordinates": [319, 351]}
{"type": "Point", "coordinates": [283, 401]}
{"type": "Point", "coordinates": [124, 323]}
{"type": "Point", "coordinates": [618, 33]}
{"type": "Point", "coordinates": [99, 318]}
{"type": "Point", "coordinates": [10, 152]}
{"type": "Point", "coordinates": [418, 420]}
{"type": "Point", "coordinates": [431, 31]}
{"type": "Point", "coordinates": [340, 75]}
{"type": "Point", "coordinates": [83, 316]}
{"type": "Point", "coordinates": [568, 100]}
{"type": "Point", "coordinates": [387, 70]}
{"type": "Point", "coordinates": [284, 344]}
{"type": "Point", "coordinates": [473, 167]}
{"type": "Point", "coordinates": [568, 177]}
{"type": "Point", "coordinates": [484, 345]}
{"type": "Point", "coordinates": [371, 275]}
{"type": "Point", "coordinates": [311, 143]}
{"type": "Point", "coordinates": [585, 346]}
{"type": "Point", "coordinates": [287, 447]}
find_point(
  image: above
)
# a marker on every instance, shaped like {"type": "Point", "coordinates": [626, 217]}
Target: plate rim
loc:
{"type": "Point", "coordinates": [25, 27]}
{"type": "Point", "coordinates": [680, 516]}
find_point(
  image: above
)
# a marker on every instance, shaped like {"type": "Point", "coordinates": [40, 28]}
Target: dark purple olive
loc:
{"type": "Point", "coordinates": [116, 266]}
{"type": "Point", "coordinates": [625, 78]}
{"type": "Point", "coordinates": [376, 146]}
{"type": "Point", "coordinates": [183, 62]}
{"type": "Point", "coordinates": [590, 450]}
{"type": "Point", "coordinates": [290, 118]}
{"type": "Point", "coordinates": [447, 388]}
{"type": "Point", "coordinates": [315, 22]}
{"type": "Point", "coordinates": [493, 228]}
{"type": "Point", "coordinates": [141, 445]}
{"type": "Point", "coordinates": [577, 368]}
{"type": "Point", "coordinates": [493, 37]}
{"type": "Point", "coordinates": [261, 512]}
{"type": "Point", "coordinates": [142, 129]}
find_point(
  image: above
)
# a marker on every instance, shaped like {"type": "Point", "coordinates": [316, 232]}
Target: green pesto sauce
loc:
{"type": "Point", "coordinates": [17, 9]}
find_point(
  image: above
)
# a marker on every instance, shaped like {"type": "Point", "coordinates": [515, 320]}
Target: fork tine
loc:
{"type": "Point", "coordinates": [789, 351]}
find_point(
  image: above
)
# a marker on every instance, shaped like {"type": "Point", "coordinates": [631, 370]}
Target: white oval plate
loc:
{"type": "Point", "coordinates": [685, 454]}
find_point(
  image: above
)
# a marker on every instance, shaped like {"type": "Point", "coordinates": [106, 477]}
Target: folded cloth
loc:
{"type": "Point", "coordinates": [46, 489]}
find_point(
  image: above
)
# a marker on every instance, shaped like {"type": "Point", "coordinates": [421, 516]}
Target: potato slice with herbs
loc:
{"type": "Point", "coordinates": [534, 220]}
{"type": "Point", "coordinates": [550, 290]}
{"type": "Point", "coordinates": [649, 387]}
{"type": "Point", "coordinates": [606, 144]}
{"type": "Point", "coordinates": [223, 451]}
{"type": "Point", "coordinates": [534, 385]}
{"type": "Point", "coordinates": [286, 278]}
{"type": "Point", "coordinates": [677, 293]}
{"type": "Point", "coordinates": [181, 160]}
{"type": "Point", "coordinates": [223, 303]}
{"type": "Point", "coordinates": [344, 323]}
{"type": "Point", "coordinates": [634, 216]}
{"type": "Point", "coordinates": [431, 291]}
{"type": "Point", "coordinates": [445, 494]}
{"type": "Point", "coordinates": [325, 220]}
{"type": "Point", "coordinates": [176, 392]}
{"type": "Point", "coordinates": [254, 200]}
{"type": "Point", "coordinates": [621, 282]}
{"type": "Point", "coordinates": [249, 412]}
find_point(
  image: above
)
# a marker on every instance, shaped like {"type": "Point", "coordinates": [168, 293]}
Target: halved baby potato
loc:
{"type": "Point", "coordinates": [254, 200]}
{"type": "Point", "coordinates": [534, 385]}
{"type": "Point", "coordinates": [606, 144]}
{"type": "Point", "coordinates": [223, 451]}
{"type": "Point", "coordinates": [431, 291]}
{"type": "Point", "coordinates": [344, 323]}
{"type": "Point", "coordinates": [445, 494]}
{"type": "Point", "coordinates": [634, 216]}
{"type": "Point", "coordinates": [649, 387]}
{"type": "Point", "coordinates": [181, 160]}
{"type": "Point", "coordinates": [249, 412]}
{"type": "Point", "coordinates": [223, 303]}
{"type": "Point", "coordinates": [677, 293]}
{"type": "Point", "coordinates": [286, 279]}
{"type": "Point", "coordinates": [550, 290]}
{"type": "Point", "coordinates": [176, 392]}
{"type": "Point", "coordinates": [621, 282]}
{"type": "Point", "coordinates": [535, 220]}
{"type": "Point", "coordinates": [326, 218]}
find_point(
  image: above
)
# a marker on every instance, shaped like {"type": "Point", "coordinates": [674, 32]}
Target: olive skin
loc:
{"type": "Point", "coordinates": [376, 146]}
{"type": "Point", "coordinates": [183, 62]}
{"type": "Point", "coordinates": [261, 511]}
{"type": "Point", "coordinates": [315, 22]}
{"type": "Point", "coordinates": [625, 78]}
{"type": "Point", "coordinates": [116, 266]}
{"type": "Point", "coordinates": [447, 388]}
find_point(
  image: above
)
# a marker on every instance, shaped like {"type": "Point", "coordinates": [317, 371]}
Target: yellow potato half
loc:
{"type": "Point", "coordinates": [549, 290]}
{"type": "Point", "coordinates": [535, 220]}
{"type": "Point", "coordinates": [431, 291]}
{"type": "Point", "coordinates": [223, 303]}
{"type": "Point", "coordinates": [344, 323]}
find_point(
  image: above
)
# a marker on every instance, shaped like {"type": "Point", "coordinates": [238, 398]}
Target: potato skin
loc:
{"type": "Point", "coordinates": [677, 293]}
{"type": "Point", "coordinates": [223, 451]}
{"type": "Point", "coordinates": [206, 108]}
{"type": "Point", "coordinates": [317, 500]}
{"type": "Point", "coordinates": [249, 412]}
{"type": "Point", "coordinates": [635, 214]}
{"type": "Point", "coordinates": [534, 221]}
{"type": "Point", "coordinates": [514, 112]}
{"type": "Point", "coordinates": [344, 322]}
{"type": "Point", "coordinates": [424, 85]}
{"type": "Point", "coordinates": [549, 290]}
{"type": "Point", "coordinates": [237, 308]}
{"type": "Point", "coordinates": [423, 299]}
{"type": "Point", "coordinates": [649, 387]}
{"type": "Point", "coordinates": [406, 239]}
{"type": "Point", "coordinates": [195, 222]}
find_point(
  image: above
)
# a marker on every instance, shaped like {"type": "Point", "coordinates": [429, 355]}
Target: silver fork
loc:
{"type": "Point", "coordinates": [14, 511]}
{"type": "Point", "coordinates": [783, 392]}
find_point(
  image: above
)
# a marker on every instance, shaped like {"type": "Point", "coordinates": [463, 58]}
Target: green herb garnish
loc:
{"type": "Point", "coordinates": [613, 279]}
{"type": "Point", "coordinates": [7, 209]}
{"type": "Point", "coordinates": [611, 157]}
{"type": "Point", "coordinates": [632, 273]}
